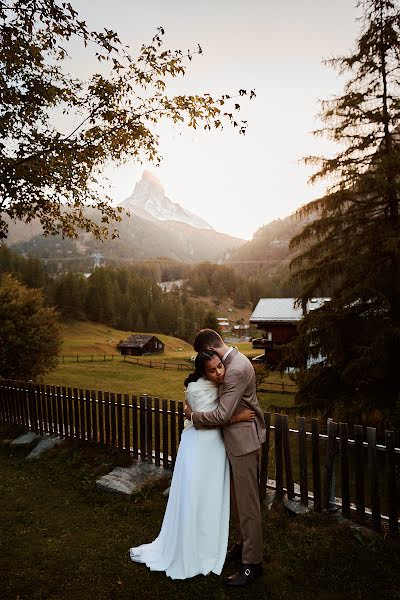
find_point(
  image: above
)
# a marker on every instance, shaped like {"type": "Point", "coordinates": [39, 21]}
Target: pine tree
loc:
{"type": "Point", "coordinates": [241, 296]}
{"type": "Point", "coordinates": [152, 322]}
{"type": "Point", "coordinates": [210, 321]}
{"type": "Point", "coordinates": [353, 244]}
{"type": "Point", "coordinates": [140, 325]}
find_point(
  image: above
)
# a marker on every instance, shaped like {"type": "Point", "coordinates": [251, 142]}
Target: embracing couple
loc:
{"type": "Point", "coordinates": [216, 469]}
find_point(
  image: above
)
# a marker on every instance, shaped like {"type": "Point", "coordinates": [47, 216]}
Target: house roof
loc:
{"type": "Point", "coordinates": [138, 341]}
{"type": "Point", "coordinates": [281, 310]}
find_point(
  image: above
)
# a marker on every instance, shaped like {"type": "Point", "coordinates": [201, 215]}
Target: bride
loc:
{"type": "Point", "coordinates": [194, 534]}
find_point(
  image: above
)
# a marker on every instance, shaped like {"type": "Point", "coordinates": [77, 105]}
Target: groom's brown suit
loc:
{"type": "Point", "coordinates": [242, 443]}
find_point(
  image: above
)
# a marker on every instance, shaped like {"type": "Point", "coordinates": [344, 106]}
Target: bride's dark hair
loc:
{"type": "Point", "coordinates": [199, 365]}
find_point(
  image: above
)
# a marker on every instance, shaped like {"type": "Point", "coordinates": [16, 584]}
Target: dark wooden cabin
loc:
{"type": "Point", "coordinates": [138, 345]}
{"type": "Point", "coordinates": [278, 319]}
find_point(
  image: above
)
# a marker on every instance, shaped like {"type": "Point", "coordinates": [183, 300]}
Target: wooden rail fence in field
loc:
{"type": "Point", "coordinates": [136, 360]}
{"type": "Point", "coordinates": [150, 428]}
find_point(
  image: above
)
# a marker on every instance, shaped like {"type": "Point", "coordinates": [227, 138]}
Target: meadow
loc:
{"type": "Point", "coordinates": [87, 340]}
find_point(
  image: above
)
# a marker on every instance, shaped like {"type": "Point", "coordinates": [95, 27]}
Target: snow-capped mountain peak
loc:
{"type": "Point", "coordinates": [149, 201]}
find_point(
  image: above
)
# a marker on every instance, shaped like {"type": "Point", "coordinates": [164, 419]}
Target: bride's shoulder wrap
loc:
{"type": "Point", "coordinates": [201, 395]}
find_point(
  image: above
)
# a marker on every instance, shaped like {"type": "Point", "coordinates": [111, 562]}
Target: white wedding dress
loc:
{"type": "Point", "coordinates": [194, 534]}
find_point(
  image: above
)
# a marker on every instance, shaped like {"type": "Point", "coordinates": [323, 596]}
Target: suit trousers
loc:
{"type": "Point", "coordinates": [246, 510]}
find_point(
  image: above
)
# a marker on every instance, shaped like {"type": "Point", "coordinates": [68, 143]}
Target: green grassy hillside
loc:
{"type": "Point", "coordinates": [88, 339]}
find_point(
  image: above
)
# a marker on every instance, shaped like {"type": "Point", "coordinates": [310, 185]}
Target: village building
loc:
{"type": "Point", "coordinates": [138, 345]}
{"type": "Point", "coordinates": [278, 318]}
{"type": "Point", "coordinates": [223, 324]}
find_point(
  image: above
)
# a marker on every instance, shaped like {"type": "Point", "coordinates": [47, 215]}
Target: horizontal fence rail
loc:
{"type": "Point", "coordinates": [136, 360]}
{"type": "Point", "coordinates": [357, 476]}
{"type": "Point", "coordinates": [280, 387]}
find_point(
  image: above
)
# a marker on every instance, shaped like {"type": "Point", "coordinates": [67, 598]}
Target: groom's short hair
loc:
{"type": "Point", "coordinates": [207, 338]}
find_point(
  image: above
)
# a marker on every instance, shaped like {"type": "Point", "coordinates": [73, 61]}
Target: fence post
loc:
{"type": "Point", "coordinates": [374, 478]}
{"type": "Point", "coordinates": [288, 458]}
{"type": "Point", "coordinates": [264, 458]}
{"type": "Point", "coordinates": [142, 427]}
{"type": "Point", "coordinates": [120, 442]}
{"type": "Point", "coordinates": [157, 436]}
{"type": "Point", "coordinates": [303, 460]}
{"type": "Point", "coordinates": [316, 465]}
{"type": "Point", "coordinates": [113, 422]}
{"type": "Point", "coordinates": [127, 433]}
{"type": "Point", "coordinates": [149, 429]}
{"type": "Point", "coordinates": [329, 479]}
{"type": "Point", "coordinates": [165, 433]}
{"type": "Point", "coordinates": [344, 464]}
{"type": "Point", "coordinates": [172, 424]}
{"type": "Point", "coordinates": [391, 483]}
{"type": "Point", "coordinates": [278, 457]}
{"type": "Point", "coordinates": [359, 472]}
{"type": "Point", "coordinates": [95, 428]}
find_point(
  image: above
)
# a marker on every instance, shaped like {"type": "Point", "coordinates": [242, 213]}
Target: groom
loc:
{"type": "Point", "coordinates": [242, 443]}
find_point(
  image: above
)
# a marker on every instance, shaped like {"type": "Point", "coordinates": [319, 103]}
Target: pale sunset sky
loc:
{"type": "Point", "coordinates": [239, 183]}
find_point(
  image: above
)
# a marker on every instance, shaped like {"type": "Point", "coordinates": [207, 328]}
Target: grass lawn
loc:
{"type": "Point", "coordinates": [86, 339]}
{"type": "Point", "coordinates": [117, 376]}
{"type": "Point", "coordinates": [61, 539]}
{"type": "Point", "coordinates": [126, 378]}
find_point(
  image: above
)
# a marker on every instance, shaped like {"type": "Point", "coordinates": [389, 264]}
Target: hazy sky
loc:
{"type": "Point", "coordinates": [239, 183]}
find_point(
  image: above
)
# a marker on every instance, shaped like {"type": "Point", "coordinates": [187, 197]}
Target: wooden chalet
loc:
{"type": "Point", "coordinates": [138, 345]}
{"type": "Point", "coordinates": [278, 319]}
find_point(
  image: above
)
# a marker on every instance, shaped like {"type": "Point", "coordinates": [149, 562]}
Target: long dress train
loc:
{"type": "Point", "coordinates": [194, 534]}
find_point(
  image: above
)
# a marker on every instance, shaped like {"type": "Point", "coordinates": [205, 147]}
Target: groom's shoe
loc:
{"type": "Point", "coordinates": [235, 553]}
{"type": "Point", "coordinates": [245, 575]}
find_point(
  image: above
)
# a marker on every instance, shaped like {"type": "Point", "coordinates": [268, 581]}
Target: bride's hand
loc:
{"type": "Point", "coordinates": [187, 411]}
{"type": "Point", "coordinates": [244, 415]}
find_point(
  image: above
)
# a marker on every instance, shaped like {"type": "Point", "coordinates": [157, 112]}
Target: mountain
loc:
{"type": "Point", "coordinates": [149, 201]}
{"type": "Point", "coordinates": [269, 247]}
{"type": "Point", "coordinates": [141, 238]}
{"type": "Point", "coordinates": [156, 227]}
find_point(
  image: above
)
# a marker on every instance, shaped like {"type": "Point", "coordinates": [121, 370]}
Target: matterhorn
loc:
{"type": "Point", "coordinates": [150, 202]}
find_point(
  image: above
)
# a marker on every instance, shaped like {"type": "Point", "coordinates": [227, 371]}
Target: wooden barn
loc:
{"type": "Point", "coordinates": [138, 345]}
{"type": "Point", "coordinates": [278, 319]}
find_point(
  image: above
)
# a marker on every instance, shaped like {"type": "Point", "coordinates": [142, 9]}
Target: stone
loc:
{"type": "Point", "coordinates": [25, 439]}
{"type": "Point", "coordinates": [133, 479]}
{"type": "Point", "coordinates": [46, 443]}
{"type": "Point", "coordinates": [295, 507]}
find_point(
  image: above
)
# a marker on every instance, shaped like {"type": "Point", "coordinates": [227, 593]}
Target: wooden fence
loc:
{"type": "Point", "coordinates": [136, 360]}
{"type": "Point", "coordinates": [150, 428]}
{"type": "Point", "coordinates": [280, 387]}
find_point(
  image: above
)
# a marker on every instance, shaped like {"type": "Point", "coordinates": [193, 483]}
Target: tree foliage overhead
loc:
{"type": "Point", "coordinates": [51, 173]}
{"type": "Point", "coordinates": [354, 244]}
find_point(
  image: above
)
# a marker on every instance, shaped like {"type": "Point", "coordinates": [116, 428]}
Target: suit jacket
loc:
{"type": "Point", "coordinates": [236, 393]}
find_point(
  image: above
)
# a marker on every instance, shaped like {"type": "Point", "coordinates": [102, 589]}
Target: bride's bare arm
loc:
{"type": "Point", "coordinates": [244, 415]}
